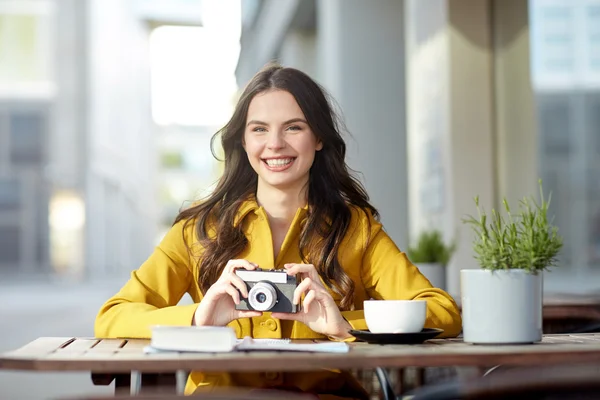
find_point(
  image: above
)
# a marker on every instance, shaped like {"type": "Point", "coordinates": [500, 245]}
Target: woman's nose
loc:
{"type": "Point", "coordinates": [275, 141]}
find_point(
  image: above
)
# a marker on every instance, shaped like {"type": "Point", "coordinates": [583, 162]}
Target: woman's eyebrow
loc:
{"type": "Point", "coordinates": [290, 121]}
{"type": "Point", "coordinates": [256, 122]}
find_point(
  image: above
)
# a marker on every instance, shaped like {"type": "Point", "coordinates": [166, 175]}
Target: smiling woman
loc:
{"type": "Point", "coordinates": [286, 201]}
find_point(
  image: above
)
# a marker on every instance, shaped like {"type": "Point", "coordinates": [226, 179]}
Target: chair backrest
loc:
{"type": "Point", "coordinates": [555, 382]}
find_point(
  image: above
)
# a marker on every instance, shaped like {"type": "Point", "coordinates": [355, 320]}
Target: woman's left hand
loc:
{"type": "Point", "coordinates": [319, 311]}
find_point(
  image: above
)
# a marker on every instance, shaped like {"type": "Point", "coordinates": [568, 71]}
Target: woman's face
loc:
{"type": "Point", "coordinates": [278, 141]}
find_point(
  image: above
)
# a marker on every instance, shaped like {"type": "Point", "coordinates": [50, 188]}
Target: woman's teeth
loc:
{"type": "Point", "coordinates": [280, 162]}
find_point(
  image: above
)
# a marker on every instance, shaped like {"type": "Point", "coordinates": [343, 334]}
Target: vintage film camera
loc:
{"type": "Point", "coordinates": [268, 290]}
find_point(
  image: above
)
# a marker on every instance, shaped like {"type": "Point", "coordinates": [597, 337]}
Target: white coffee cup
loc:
{"type": "Point", "coordinates": [395, 316]}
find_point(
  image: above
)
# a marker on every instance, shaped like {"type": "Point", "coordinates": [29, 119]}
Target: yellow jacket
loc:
{"type": "Point", "coordinates": [368, 255]}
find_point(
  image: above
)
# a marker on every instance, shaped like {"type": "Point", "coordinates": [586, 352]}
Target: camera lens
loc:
{"type": "Point", "coordinates": [261, 297]}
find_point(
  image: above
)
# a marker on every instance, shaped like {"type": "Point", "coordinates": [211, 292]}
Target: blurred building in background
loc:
{"type": "Point", "coordinates": [105, 115]}
{"type": "Point", "coordinates": [107, 108]}
{"type": "Point", "coordinates": [26, 101]}
{"type": "Point", "coordinates": [566, 78]}
{"type": "Point", "coordinates": [449, 99]}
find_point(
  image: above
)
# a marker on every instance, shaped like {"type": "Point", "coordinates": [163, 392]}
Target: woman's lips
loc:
{"type": "Point", "coordinates": [278, 164]}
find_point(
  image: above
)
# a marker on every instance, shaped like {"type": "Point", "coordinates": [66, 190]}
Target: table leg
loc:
{"type": "Point", "coordinates": [419, 377]}
{"type": "Point", "coordinates": [181, 377]}
{"type": "Point", "coordinates": [123, 384]}
{"type": "Point", "coordinates": [165, 383]}
{"type": "Point", "coordinates": [400, 381]}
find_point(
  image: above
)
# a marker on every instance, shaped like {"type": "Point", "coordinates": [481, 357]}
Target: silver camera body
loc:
{"type": "Point", "coordinates": [268, 290]}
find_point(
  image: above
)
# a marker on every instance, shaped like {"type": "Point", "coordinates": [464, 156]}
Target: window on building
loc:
{"type": "Point", "coordinates": [26, 139]}
{"type": "Point", "coordinates": [592, 183]}
{"type": "Point", "coordinates": [9, 245]}
{"type": "Point", "coordinates": [10, 195]}
{"type": "Point", "coordinates": [26, 39]}
{"type": "Point", "coordinates": [555, 122]}
{"type": "Point", "coordinates": [565, 43]}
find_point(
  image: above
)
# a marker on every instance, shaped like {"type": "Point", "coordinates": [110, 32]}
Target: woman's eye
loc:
{"type": "Point", "coordinates": [259, 129]}
{"type": "Point", "coordinates": [294, 128]}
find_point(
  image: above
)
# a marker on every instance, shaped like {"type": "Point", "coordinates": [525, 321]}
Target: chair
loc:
{"type": "Point", "coordinates": [591, 328]}
{"type": "Point", "coordinates": [554, 382]}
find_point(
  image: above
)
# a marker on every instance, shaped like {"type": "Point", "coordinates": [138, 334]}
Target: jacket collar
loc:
{"type": "Point", "coordinates": [251, 205]}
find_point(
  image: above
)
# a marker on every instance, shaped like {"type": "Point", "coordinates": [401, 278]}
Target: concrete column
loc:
{"type": "Point", "coordinates": [4, 143]}
{"type": "Point", "coordinates": [471, 130]}
{"type": "Point", "coordinates": [119, 129]}
{"type": "Point", "coordinates": [29, 218]}
{"type": "Point", "coordinates": [428, 116]}
{"type": "Point", "coordinates": [516, 127]}
{"type": "Point", "coordinates": [361, 62]}
{"type": "Point", "coordinates": [450, 87]}
{"type": "Point", "coordinates": [298, 50]}
{"type": "Point", "coordinates": [67, 160]}
{"type": "Point", "coordinates": [470, 115]}
{"type": "Point", "coordinates": [96, 226]}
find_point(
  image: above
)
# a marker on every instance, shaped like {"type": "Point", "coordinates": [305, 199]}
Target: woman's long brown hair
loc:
{"type": "Point", "coordinates": [331, 188]}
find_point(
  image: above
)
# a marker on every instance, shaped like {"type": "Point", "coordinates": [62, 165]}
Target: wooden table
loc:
{"type": "Point", "coordinates": [115, 356]}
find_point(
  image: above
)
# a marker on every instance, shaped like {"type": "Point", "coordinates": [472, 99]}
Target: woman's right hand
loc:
{"type": "Point", "coordinates": [217, 308]}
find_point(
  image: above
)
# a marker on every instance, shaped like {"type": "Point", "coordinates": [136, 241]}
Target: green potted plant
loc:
{"type": "Point", "coordinates": [431, 255]}
{"type": "Point", "coordinates": [502, 301]}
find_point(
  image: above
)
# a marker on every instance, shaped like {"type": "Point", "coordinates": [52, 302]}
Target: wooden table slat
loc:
{"type": "Point", "coordinates": [590, 337]}
{"type": "Point", "coordinates": [96, 355]}
{"type": "Point", "coordinates": [134, 345]}
{"type": "Point", "coordinates": [78, 346]}
{"type": "Point", "coordinates": [107, 346]}
{"type": "Point", "coordinates": [43, 345]}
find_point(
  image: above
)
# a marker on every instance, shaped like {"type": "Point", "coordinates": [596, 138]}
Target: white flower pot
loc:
{"type": "Point", "coordinates": [501, 307]}
{"type": "Point", "coordinates": [435, 273]}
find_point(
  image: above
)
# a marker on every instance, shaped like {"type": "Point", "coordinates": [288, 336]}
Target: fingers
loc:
{"type": "Point", "coordinates": [304, 286]}
{"type": "Point", "coordinates": [288, 316]}
{"type": "Point", "coordinates": [232, 265]}
{"type": "Point", "coordinates": [306, 270]}
{"type": "Point", "coordinates": [229, 276]}
{"type": "Point", "coordinates": [310, 297]}
{"type": "Point", "coordinates": [216, 292]}
{"type": "Point", "coordinates": [247, 314]}
{"type": "Point", "coordinates": [235, 295]}
{"type": "Point", "coordinates": [313, 292]}
{"type": "Point", "coordinates": [239, 284]}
